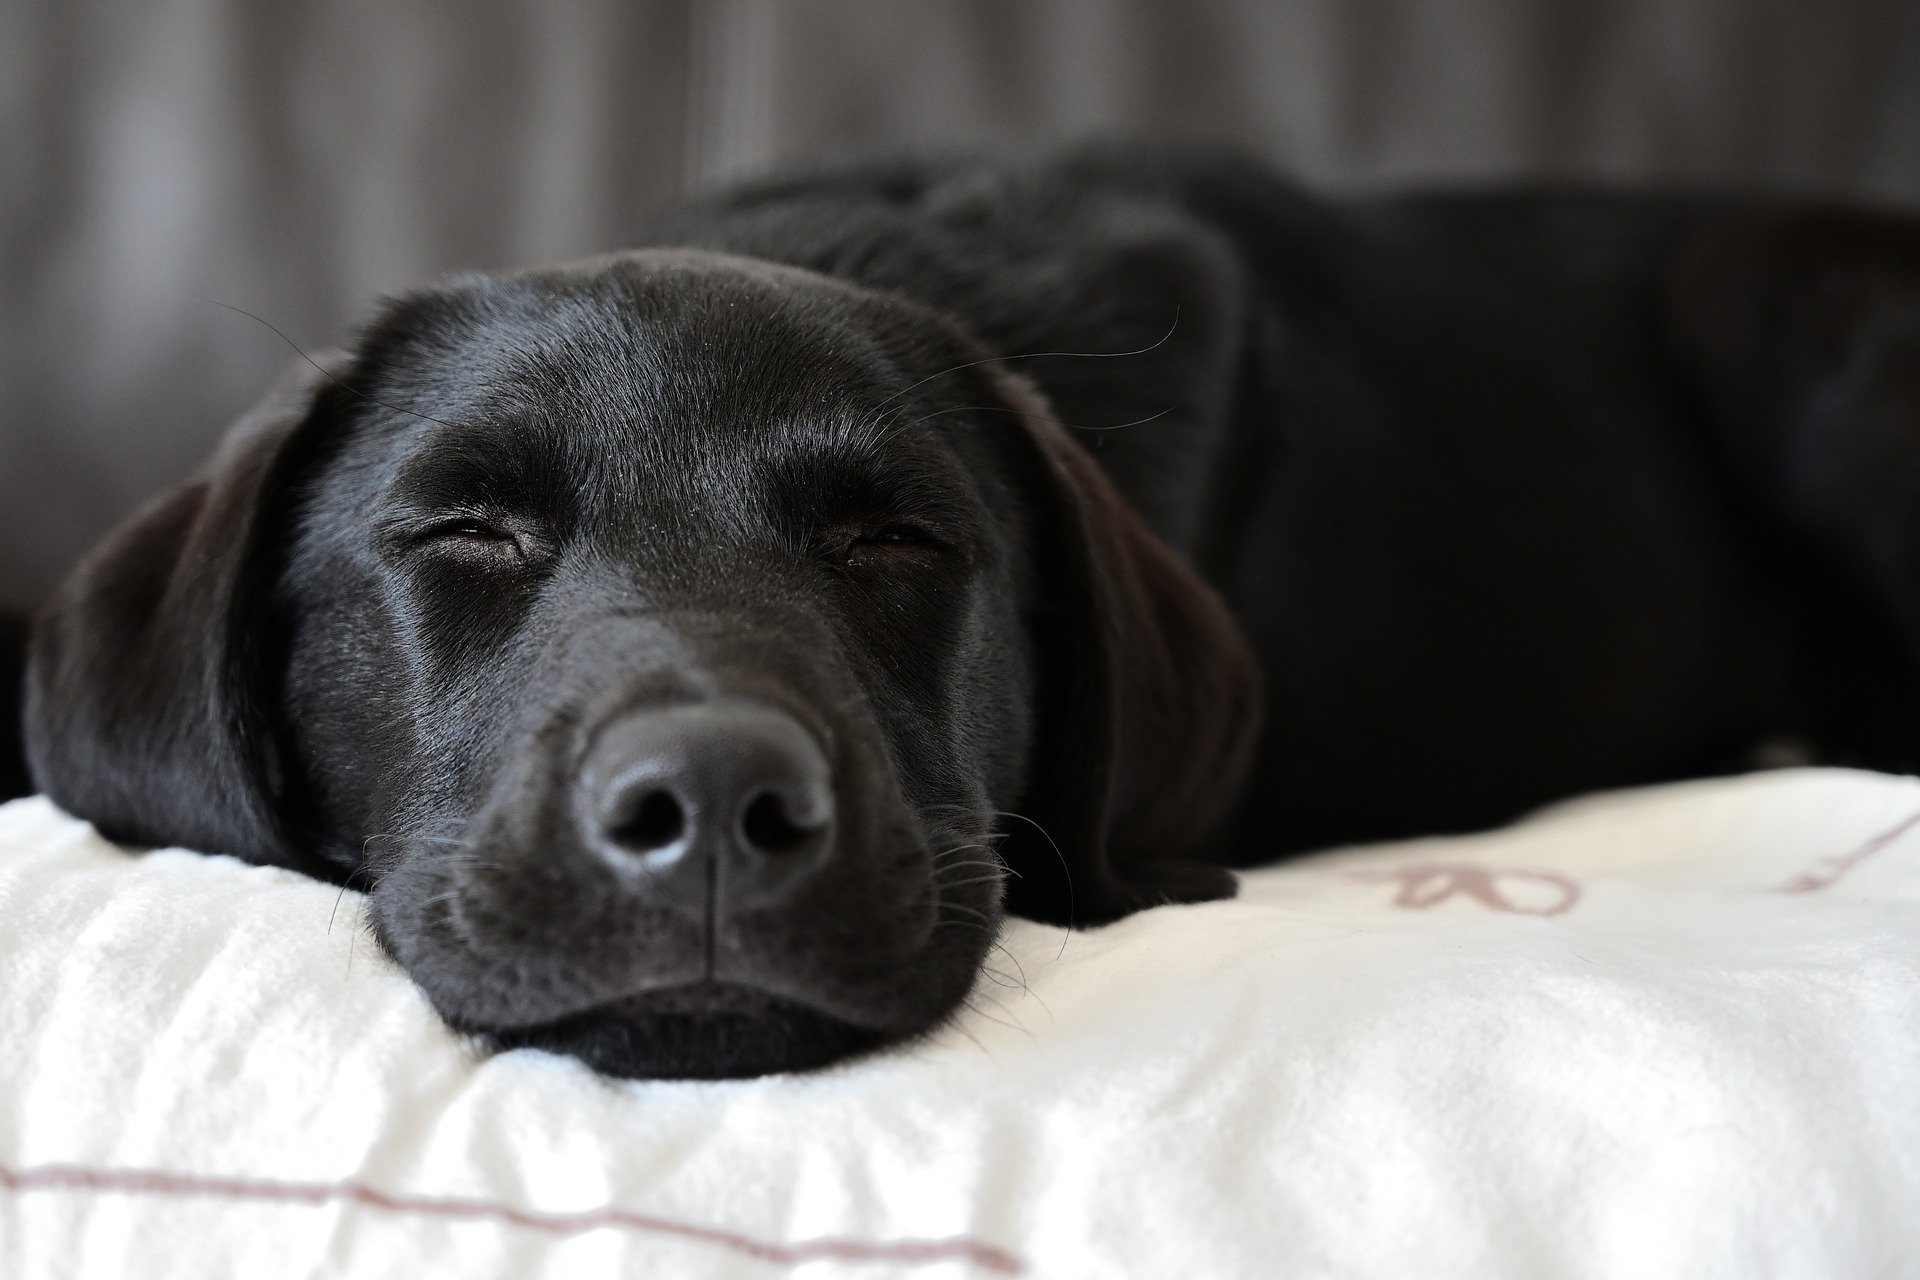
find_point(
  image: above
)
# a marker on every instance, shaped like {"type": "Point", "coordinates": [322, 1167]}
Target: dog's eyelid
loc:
{"type": "Point", "coordinates": [465, 527]}
{"type": "Point", "coordinates": [905, 538]}
{"type": "Point", "coordinates": [464, 531]}
{"type": "Point", "coordinates": [901, 531]}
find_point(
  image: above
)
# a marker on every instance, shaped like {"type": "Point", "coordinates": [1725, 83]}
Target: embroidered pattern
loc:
{"type": "Point", "coordinates": [156, 1182]}
{"type": "Point", "coordinates": [1516, 892]}
{"type": "Point", "coordinates": [1832, 867]}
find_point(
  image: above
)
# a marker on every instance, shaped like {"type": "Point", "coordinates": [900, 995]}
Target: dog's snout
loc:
{"type": "Point", "coordinates": [728, 798]}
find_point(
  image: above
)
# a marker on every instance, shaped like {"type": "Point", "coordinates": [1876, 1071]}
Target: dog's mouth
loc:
{"type": "Point", "coordinates": [581, 956]}
{"type": "Point", "coordinates": [704, 996]}
{"type": "Point", "coordinates": [697, 1030]}
{"type": "Point", "coordinates": [756, 1016]}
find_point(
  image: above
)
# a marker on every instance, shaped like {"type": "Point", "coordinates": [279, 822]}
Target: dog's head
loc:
{"type": "Point", "coordinates": [693, 657]}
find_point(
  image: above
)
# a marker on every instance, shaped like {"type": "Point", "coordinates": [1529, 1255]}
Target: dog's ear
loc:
{"type": "Point", "coordinates": [1147, 702]}
{"type": "Point", "coordinates": [145, 690]}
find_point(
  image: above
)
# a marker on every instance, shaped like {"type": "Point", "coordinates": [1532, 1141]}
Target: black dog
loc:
{"type": "Point", "coordinates": [694, 650]}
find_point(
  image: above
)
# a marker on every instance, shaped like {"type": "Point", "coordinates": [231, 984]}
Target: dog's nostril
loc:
{"type": "Point", "coordinates": [656, 822]}
{"type": "Point", "coordinates": [769, 827]}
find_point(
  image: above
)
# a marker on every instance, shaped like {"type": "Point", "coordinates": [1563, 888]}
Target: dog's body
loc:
{"type": "Point", "coordinates": [1513, 496]}
{"type": "Point", "coordinates": [1504, 487]}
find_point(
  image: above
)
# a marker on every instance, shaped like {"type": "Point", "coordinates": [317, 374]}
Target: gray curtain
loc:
{"type": "Point", "coordinates": [162, 161]}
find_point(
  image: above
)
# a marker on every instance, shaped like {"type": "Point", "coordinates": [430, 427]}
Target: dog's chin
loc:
{"type": "Point", "coordinates": [704, 1031]}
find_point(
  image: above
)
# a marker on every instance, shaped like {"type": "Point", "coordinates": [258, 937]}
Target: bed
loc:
{"type": "Point", "coordinates": [1670, 1032]}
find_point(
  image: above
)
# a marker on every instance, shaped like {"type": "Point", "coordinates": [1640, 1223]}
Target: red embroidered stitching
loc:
{"type": "Point", "coordinates": [1428, 884]}
{"type": "Point", "coordinates": [68, 1177]}
{"type": "Point", "coordinates": [1830, 869]}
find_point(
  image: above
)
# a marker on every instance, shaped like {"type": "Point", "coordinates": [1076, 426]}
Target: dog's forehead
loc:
{"type": "Point", "coordinates": [648, 326]}
{"type": "Point", "coordinates": [663, 347]}
{"type": "Point", "coordinates": [649, 377]}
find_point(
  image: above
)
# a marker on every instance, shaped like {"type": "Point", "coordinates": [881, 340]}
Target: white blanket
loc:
{"type": "Point", "coordinates": [1672, 1033]}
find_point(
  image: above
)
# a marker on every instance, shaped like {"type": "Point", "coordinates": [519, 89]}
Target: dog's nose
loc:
{"type": "Point", "coordinates": [727, 799]}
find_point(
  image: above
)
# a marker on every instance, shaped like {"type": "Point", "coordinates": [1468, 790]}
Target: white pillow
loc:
{"type": "Point", "coordinates": [1667, 1033]}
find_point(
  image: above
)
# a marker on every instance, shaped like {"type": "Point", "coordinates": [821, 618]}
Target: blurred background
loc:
{"type": "Point", "coordinates": [161, 157]}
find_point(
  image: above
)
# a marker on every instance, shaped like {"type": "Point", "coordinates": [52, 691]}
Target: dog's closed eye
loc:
{"type": "Point", "coordinates": [893, 539]}
{"type": "Point", "coordinates": [469, 536]}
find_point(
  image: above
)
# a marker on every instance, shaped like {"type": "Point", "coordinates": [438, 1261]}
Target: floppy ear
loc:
{"type": "Point", "coordinates": [145, 706]}
{"type": "Point", "coordinates": [1148, 701]}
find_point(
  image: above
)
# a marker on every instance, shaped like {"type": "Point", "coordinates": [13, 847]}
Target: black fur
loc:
{"type": "Point", "coordinates": [13, 748]}
{"type": "Point", "coordinates": [955, 462]}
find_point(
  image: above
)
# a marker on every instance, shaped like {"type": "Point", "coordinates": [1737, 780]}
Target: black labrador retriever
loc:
{"type": "Point", "coordinates": [695, 650]}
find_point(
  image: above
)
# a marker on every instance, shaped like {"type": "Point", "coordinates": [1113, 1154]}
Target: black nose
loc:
{"type": "Point", "coordinates": [726, 800]}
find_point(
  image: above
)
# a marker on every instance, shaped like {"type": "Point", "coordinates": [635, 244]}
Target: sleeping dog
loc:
{"type": "Point", "coordinates": [696, 650]}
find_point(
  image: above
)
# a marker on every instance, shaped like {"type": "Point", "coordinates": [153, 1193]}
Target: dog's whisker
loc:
{"type": "Point", "coordinates": [336, 908]}
{"type": "Point", "coordinates": [965, 862]}
{"type": "Point", "coordinates": [962, 884]}
{"type": "Point", "coordinates": [329, 374]}
{"type": "Point", "coordinates": [1040, 417]}
{"type": "Point", "coordinates": [995, 976]}
{"type": "Point", "coordinates": [1022, 969]}
{"type": "Point", "coordinates": [1065, 870]}
{"type": "Point", "coordinates": [949, 850]}
{"type": "Point", "coordinates": [1001, 1005]}
{"type": "Point", "coordinates": [411, 837]}
{"type": "Point", "coordinates": [970, 864]}
{"type": "Point", "coordinates": [471, 859]}
{"type": "Point", "coordinates": [1038, 355]}
{"type": "Point", "coordinates": [988, 874]}
{"type": "Point", "coordinates": [960, 1026]}
{"type": "Point", "coordinates": [980, 922]}
{"type": "Point", "coordinates": [983, 921]}
{"type": "Point", "coordinates": [353, 939]}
